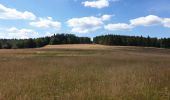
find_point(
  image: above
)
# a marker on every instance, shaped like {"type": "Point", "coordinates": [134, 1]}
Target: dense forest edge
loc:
{"type": "Point", "coordinates": [113, 40]}
{"type": "Point", "coordinates": [43, 41]}
{"type": "Point", "coordinates": [121, 40]}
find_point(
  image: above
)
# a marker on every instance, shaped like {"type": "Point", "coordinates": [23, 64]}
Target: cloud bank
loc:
{"type": "Point", "coordinates": [87, 24]}
{"type": "Point", "coordinates": [46, 23]}
{"type": "Point", "coordinates": [16, 33]}
{"type": "Point", "coordinates": [98, 3]}
{"type": "Point", "coordinates": [146, 21]}
{"type": "Point", "coordinates": [11, 14]}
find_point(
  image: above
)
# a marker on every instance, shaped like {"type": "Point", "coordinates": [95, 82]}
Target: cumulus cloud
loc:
{"type": "Point", "coordinates": [118, 26]}
{"type": "Point", "coordinates": [10, 13]}
{"type": "Point", "coordinates": [87, 24]}
{"type": "Point", "coordinates": [106, 17]}
{"type": "Point", "coordinates": [149, 20]}
{"type": "Point", "coordinates": [96, 4]}
{"type": "Point", "coordinates": [46, 23]}
{"type": "Point", "coordinates": [166, 22]}
{"type": "Point", "coordinates": [14, 32]}
{"type": "Point", "coordinates": [146, 21]}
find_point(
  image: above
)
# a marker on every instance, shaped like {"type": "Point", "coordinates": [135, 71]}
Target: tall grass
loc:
{"type": "Point", "coordinates": [121, 74]}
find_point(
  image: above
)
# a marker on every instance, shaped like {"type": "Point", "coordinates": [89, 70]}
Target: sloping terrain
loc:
{"type": "Point", "coordinates": [85, 72]}
{"type": "Point", "coordinates": [78, 46]}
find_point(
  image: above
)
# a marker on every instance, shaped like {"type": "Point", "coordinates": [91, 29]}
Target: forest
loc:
{"type": "Point", "coordinates": [113, 40]}
{"type": "Point", "coordinates": [121, 40]}
{"type": "Point", "coordinates": [40, 42]}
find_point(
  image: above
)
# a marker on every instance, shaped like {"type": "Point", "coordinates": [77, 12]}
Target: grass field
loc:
{"type": "Point", "coordinates": [85, 72]}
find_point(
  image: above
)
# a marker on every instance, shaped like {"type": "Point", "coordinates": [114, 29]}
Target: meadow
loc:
{"type": "Point", "coordinates": [85, 72]}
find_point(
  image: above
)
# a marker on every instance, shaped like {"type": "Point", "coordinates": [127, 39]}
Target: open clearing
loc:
{"type": "Point", "coordinates": [85, 72]}
{"type": "Point", "coordinates": [78, 46]}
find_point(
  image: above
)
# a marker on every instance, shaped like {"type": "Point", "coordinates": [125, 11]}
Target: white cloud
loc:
{"type": "Point", "coordinates": [13, 32]}
{"type": "Point", "coordinates": [149, 20]}
{"type": "Point", "coordinates": [106, 17]}
{"type": "Point", "coordinates": [146, 21]}
{"type": "Point", "coordinates": [10, 13]}
{"type": "Point", "coordinates": [46, 23]}
{"type": "Point", "coordinates": [118, 26]}
{"type": "Point", "coordinates": [96, 4]}
{"type": "Point", "coordinates": [166, 22]}
{"type": "Point", "coordinates": [87, 24]}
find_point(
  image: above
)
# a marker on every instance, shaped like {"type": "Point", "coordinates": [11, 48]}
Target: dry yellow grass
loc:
{"type": "Point", "coordinates": [78, 46]}
{"type": "Point", "coordinates": [62, 73]}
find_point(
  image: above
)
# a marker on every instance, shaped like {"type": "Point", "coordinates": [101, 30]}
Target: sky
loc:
{"type": "Point", "coordinates": [39, 18]}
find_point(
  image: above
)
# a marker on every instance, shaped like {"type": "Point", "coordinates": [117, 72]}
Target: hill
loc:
{"type": "Point", "coordinates": [78, 46]}
{"type": "Point", "coordinates": [85, 72]}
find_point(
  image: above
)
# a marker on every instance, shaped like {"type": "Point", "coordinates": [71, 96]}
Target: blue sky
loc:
{"type": "Point", "coordinates": [37, 18]}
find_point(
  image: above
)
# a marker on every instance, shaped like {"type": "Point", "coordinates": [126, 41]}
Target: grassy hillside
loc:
{"type": "Point", "coordinates": [85, 72]}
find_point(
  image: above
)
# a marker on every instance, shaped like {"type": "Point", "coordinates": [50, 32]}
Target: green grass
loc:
{"type": "Point", "coordinates": [51, 74]}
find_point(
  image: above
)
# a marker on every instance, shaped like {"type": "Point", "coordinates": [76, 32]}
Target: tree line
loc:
{"type": "Point", "coordinates": [122, 40]}
{"type": "Point", "coordinates": [119, 40]}
{"type": "Point", "coordinates": [40, 42]}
